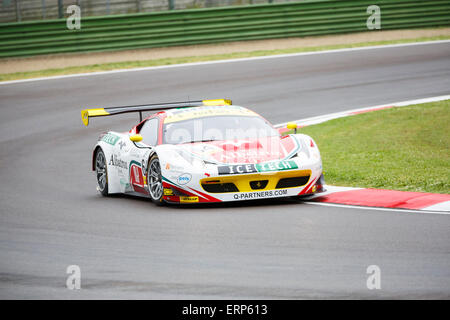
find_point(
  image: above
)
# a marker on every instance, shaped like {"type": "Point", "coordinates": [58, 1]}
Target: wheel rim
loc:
{"type": "Point", "coordinates": [100, 168]}
{"type": "Point", "coordinates": [155, 181]}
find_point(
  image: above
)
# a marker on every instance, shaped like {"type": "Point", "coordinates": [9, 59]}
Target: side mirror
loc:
{"type": "Point", "coordinates": [292, 126]}
{"type": "Point", "coordinates": [136, 138]}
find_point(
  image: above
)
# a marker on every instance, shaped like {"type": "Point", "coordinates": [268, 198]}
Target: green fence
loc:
{"type": "Point", "coordinates": [197, 26]}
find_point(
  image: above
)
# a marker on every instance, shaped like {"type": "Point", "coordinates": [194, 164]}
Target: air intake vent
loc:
{"type": "Point", "coordinates": [292, 182]}
{"type": "Point", "coordinates": [220, 187]}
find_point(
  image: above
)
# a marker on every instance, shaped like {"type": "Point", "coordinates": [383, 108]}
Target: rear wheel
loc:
{"type": "Point", "coordinates": [101, 172]}
{"type": "Point", "coordinates": [154, 180]}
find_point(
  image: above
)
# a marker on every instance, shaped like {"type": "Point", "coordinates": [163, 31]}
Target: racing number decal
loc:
{"type": "Point", "coordinates": [136, 177]}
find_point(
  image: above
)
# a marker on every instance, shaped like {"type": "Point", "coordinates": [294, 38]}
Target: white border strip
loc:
{"type": "Point", "coordinates": [323, 118]}
{"type": "Point", "coordinates": [229, 60]}
{"type": "Point", "coordinates": [327, 204]}
{"type": "Point", "coordinates": [443, 206]}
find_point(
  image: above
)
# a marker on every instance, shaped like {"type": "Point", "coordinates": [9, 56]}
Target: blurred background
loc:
{"type": "Point", "coordinates": [26, 10]}
{"type": "Point", "coordinates": [48, 27]}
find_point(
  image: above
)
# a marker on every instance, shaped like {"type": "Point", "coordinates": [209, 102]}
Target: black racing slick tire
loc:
{"type": "Point", "coordinates": [101, 172]}
{"type": "Point", "coordinates": [154, 181]}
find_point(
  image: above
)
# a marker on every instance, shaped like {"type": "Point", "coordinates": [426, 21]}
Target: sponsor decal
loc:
{"type": "Point", "coordinates": [237, 169]}
{"type": "Point", "coordinates": [173, 167]}
{"type": "Point", "coordinates": [259, 167]}
{"type": "Point", "coordinates": [188, 199]}
{"type": "Point", "coordinates": [122, 144]}
{"type": "Point", "coordinates": [260, 195]}
{"type": "Point", "coordinates": [276, 166]}
{"type": "Point", "coordinates": [184, 178]}
{"type": "Point", "coordinates": [116, 162]}
{"type": "Point", "coordinates": [168, 192]}
{"type": "Point", "coordinates": [110, 138]}
{"type": "Point", "coordinates": [136, 175]}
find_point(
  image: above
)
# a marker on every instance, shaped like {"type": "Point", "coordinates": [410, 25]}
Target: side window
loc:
{"type": "Point", "coordinates": [149, 132]}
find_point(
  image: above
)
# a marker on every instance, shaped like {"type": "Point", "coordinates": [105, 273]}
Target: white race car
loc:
{"type": "Point", "coordinates": [203, 151]}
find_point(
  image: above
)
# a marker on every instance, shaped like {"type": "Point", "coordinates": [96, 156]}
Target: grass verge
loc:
{"type": "Point", "coordinates": [170, 61]}
{"type": "Point", "coordinates": [404, 148]}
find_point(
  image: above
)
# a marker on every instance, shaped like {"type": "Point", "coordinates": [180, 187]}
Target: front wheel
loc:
{"type": "Point", "coordinates": [101, 172]}
{"type": "Point", "coordinates": [154, 180]}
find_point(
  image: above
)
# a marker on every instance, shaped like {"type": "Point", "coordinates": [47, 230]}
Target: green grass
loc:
{"type": "Point", "coordinates": [404, 148]}
{"type": "Point", "coordinates": [170, 61]}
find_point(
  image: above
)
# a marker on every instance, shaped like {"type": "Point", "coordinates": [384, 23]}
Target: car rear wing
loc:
{"type": "Point", "coordinates": [102, 112]}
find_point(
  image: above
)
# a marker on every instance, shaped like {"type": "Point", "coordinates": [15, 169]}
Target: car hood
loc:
{"type": "Point", "coordinates": [244, 151]}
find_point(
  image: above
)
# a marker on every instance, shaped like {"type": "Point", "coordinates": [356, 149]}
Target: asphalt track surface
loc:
{"type": "Point", "coordinates": [51, 215]}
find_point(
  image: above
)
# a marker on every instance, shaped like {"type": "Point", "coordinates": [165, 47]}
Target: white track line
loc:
{"type": "Point", "coordinates": [336, 115]}
{"type": "Point", "coordinates": [443, 206]}
{"type": "Point", "coordinates": [327, 204]}
{"type": "Point", "coordinates": [229, 61]}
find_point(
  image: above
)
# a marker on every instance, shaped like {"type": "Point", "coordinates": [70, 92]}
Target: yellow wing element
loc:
{"type": "Point", "coordinates": [100, 112]}
{"type": "Point", "coordinates": [217, 102]}
{"type": "Point", "coordinates": [86, 113]}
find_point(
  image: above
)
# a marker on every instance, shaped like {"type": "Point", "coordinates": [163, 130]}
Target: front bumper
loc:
{"type": "Point", "coordinates": [245, 187]}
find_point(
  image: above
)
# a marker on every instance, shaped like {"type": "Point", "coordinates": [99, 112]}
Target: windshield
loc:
{"type": "Point", "coordinates": [217, 128]}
